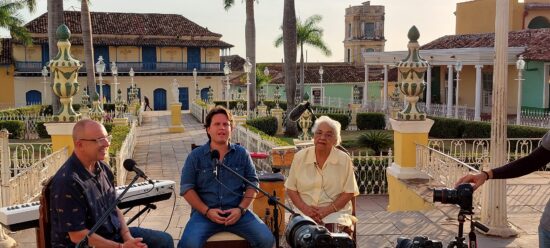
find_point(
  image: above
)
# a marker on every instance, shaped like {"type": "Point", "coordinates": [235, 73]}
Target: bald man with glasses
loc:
{"type": "Point", "coordinates": [83, 189]}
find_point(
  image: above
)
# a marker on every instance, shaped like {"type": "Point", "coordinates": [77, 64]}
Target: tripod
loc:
{"type": "Point", "coordinates": [460, 242]}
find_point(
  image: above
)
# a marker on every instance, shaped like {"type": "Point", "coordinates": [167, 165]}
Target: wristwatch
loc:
{"type": "Point", "coordinates": [243, 210]}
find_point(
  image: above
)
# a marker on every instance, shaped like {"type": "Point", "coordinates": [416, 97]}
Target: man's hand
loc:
{"type": "Point", "coordinates": [476, 180]}
{"type": "Point", "coordinates": [134, 243]}
{"type": "Point", "coordinates": [233, 217]}
{"type": "Point", "coordinates": [216, 215]}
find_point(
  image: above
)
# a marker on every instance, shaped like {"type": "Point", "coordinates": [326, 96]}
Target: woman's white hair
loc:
{"type": "Point", "coordinates": [335, 125]}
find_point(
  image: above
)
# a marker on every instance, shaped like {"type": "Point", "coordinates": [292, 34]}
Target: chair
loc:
{"type": "Point", "coordinates": [43, 232]}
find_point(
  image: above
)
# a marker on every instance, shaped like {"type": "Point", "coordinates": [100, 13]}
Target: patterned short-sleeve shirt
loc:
{"type": "Point", "coordinates": [78, 199]}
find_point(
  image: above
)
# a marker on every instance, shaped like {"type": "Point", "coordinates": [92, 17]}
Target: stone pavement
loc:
{"type": "Point", "coordinates": [161, 155]}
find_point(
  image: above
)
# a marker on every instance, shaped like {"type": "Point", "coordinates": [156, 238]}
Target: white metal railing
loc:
{"type": "Point", "coordinates": [198, 112]}
{"type": "Point", "coordinates": [24, 155]}
{"type": "Point", "coordinates": [26, 185]}
{"type": "Point", "coordinates": [126, 151]}
{"type": "Point", "coordinates": [254, 143]}
{"type": "Point", "coordinates": [370, 172]}
{"type": "Point", "coordinates": [443, 168]}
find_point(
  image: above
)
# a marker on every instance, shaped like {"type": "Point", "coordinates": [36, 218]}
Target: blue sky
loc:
{"type": "Point", "coordinates": [434, 18]}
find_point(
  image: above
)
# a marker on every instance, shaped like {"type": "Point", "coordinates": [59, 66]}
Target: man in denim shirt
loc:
{"type": "Point", "coordinates": [220, 201]}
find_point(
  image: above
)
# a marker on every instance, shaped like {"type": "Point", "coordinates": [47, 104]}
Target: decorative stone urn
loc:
{"type": "Point", "coordinates": [97, 112]}
{"type": "Point", "coordinates": [65, 71]}
{"type": "Point", "coordinates": [412, 83]}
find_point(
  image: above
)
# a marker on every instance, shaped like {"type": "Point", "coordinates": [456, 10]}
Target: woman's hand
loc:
{"type": "Point", "coordinates": [324, 211]}
{"type": "Point", "coordinates": [312, 212]}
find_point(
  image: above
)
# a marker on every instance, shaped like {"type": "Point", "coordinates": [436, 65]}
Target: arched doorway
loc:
{"type": "Point", "coordinates": [106, 92]}
{"type": "Point", "coordinates": [539, 22]}
{"type": "Point", "coordinates": [159, 98]}
{"type": "Point", "coordinates": [204, 94]}
{"type": "Point", "coordinates": [33, 97]}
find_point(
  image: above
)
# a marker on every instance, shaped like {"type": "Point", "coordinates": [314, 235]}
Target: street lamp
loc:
{"type": "Point", "coordinates": [44, 75]}
{"type": "Point", "coordinates": [100, 68]}
{"type": "Point", "coordinates": [520, 65]}
{"type": "Point", "coordinates": [458, 67]}
{"type": "Point", "coordinates": [247, 67]}
{"type": "Point", "coordinates": [266, 73]}
{"type": "Point", "coordinates": [196, 84]}
{"type": "Point", "coordinates": [227, 71]}
{"type": "Point", "coordinates": [321, 71]}
{"type": "Point", "coordinates": [114, 71]}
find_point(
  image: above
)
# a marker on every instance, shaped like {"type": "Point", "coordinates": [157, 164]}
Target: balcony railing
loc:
{"type": "Point", "coordinates": [124, 67]}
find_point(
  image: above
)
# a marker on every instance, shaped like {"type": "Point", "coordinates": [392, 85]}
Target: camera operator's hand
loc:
{"type": "Point", "coordinates": [233, 217]}
{"type": "Point", "coordinates": [216, 215]}
{"type": "Point", "coordinates": [476, 180]}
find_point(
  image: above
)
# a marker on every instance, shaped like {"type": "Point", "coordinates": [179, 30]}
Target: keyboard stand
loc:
{"type": "Point", "coordinates": [147, 208]}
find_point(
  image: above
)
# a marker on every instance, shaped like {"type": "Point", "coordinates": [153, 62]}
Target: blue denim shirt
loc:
{"type": "Point", "coordinates": [227, 191]}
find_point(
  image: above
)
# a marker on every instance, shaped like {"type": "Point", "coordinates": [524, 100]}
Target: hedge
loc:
{"type": "Point", "coordinates": [119, 134]}
{"type": "Point", "coordinates": [41, 130]}
{"type": "Point", "coordinates": [15, 128]}
{"type": "Point", "coordinates": [342, 118]}
{"type": "Point", "coordinates": [448, 128]}
{"type": "Point", "coordinates": [371, 121]}
{"type": "Point", "coordinates": [267, 124]}
{"type": "Point", "coordinates": [233, 104]}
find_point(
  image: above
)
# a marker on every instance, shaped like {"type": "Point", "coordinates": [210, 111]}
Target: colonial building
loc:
{"type": "Point", "coordinates": [159, 48]}
{"type": "Point", "coordinates": [364, 27]}
{"type": "Point", "coordinates": [7, 97]}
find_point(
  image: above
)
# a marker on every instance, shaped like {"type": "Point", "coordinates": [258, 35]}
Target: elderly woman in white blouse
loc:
{"type": "Point", "coordinates": [321, 182]}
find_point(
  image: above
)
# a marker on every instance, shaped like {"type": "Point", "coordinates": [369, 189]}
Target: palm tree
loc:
{"type": "Point", "coordinates": [290, 42]}
{"type": "Point", "coordinates": [250, 40]}
{"type": "Point", "coordinates": [311, 34]}
{"type": "Point", "coordinates": [55, 18]}
{"type": "Point", "coordinates": [86, 26]}
{"type": "Point", "coordinates": [11, 20]}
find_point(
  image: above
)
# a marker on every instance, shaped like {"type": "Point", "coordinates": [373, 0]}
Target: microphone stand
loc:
{"type": "Point", "coordinates": [84, 242]}
{"type": "Point", "coordinates": [272, 200]}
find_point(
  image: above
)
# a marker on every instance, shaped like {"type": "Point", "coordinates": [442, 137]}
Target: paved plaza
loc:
{"type": "Point", "coordinates": [161, 155]}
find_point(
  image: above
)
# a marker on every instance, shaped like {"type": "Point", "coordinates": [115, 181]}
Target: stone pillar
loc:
{"type": "Point", "coordinates": [5, 240]}
{"type": "Point", "coordinates": [175, 124]}
{"type": "Point", "coordinates": [239, 120]}
{"type": "Point", "coordinates": [262, 110]}
{"type": "Point", "coordinates": [493, 199]}
{"type": "Point", "coordinates": [366, 87]}
{"type": "Point", "coordinates": [410, 128]}
{"type": "Point", "coordinates": [62, 135]}
{"type": "Point", "coordinates": [354, 110]}
{"type": "Point", "coordinates": [278, 114]}
{"type": "Point", "coordinates": [449, 91]}
{"type": "Point", "coordinates": [385, 91]}
{"type": "Point", "coordinates": [477, 114]}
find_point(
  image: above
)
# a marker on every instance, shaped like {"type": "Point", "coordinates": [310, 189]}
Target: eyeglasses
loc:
{"type": "Point", "coordinates": [101, 140]}
{"type": "Point", "coordinates": [326, 134]}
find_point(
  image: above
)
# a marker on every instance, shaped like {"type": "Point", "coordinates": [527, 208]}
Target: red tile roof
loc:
{"type": "Point", "coordinates": [536, 41]}
{"type": "Point", "coordinates": [236, 62]}
{"type": "Point", "coordinates": [127, 24]}
{"type": "Point", "coordinates": [144, 41]}
{"type": "Point", "coordinates": [5, 52]}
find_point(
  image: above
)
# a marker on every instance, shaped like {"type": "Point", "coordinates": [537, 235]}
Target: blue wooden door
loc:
{"type": "Point", "coordinates": [106, 91]}
{"type": "Point", "coordinates": [45, 54]}
{"type": "Point", "coordinates": [33, 97]}
{"type": "Point", "coordinates": [149, 58]}
{"type": "Point", "coordinates": [193, 58]}
{"type": "Point", "coordinates": [104, 52]}
{"type": "Point", "coordinates": [184, 97]}
{"type": "Point", "coordinates": [159, 98]}
{"type": "Point", "coordinates": [128, 93]}
{"type": "Point", "coordinates": [204, 94]}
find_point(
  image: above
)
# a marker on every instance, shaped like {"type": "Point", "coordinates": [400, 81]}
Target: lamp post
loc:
{"type": "Point", "coordinates": [247, 67]}
{"type": "Point", "coordinates": [100, 68]}
{"type": "Point", "coordinates": [131, 73]}
{"type": "Point", "coordinates": [196, 84]}
{"type": "Point", "coordinates": [520, 65]}
{"type": "Point", "coordinates": [321, 71]}
{"type": "Point", "coordinates": [458, 67]}
{"type": "Point", "coordinates": [266, 73]}
{"type": "Point", "coordinates": [44, 76]}
{"type": "Point", "coordinates": [227, 71]}
{"type": "Point", "coordinates": [114, 71]}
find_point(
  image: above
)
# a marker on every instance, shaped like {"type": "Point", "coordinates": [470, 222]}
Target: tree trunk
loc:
{"type": "Point", "coordinates": [289, 40]}
{"type": "Point", "coordinates": [86, 25]}
{"type": "Point", "coordinates": [250, 40]}
{"type": "Point", "coordinates": [55, 18]}
{"type": "Point", "coordinates": [302, 80]}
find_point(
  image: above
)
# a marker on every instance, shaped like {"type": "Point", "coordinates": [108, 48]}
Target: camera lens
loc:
{"type": "Point", "coordinates": [446, 196]}
{"type": "Point", "coordinates": [462, 196]}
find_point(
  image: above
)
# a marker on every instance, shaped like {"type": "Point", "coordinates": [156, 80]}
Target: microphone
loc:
{"type": "Point", "coordinates": [298, 111]}
{"type": "Point", "coordinates": [130, 165]}
{"type": "Point", "coordinates": [215, 156]}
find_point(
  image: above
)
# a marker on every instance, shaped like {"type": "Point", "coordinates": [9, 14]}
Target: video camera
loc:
{"type": "Point", "coordinates": [462, 196]}
{"type": "Point", "coordinates": [303, 232]}
{"type": "Point", "coordinates": [418, 242]}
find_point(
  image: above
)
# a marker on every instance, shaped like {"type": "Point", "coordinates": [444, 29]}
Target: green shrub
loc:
{"type": "Point", "coordinates": [119, 133]}
{"type": "Point", "coordinates": [378, 141]}
{"type": "Point", "coordinates": [41, 130]}
{"type": "Point", "coordinates": [342, 118]}
{"type": "Point", "coordinates": [108, 127]}
{"type": "Point", "coordinates": [271, 104]}
{"type": "Point", "coordinates": [371, 121]}
{"type": "Point", "coordinates": [514, 131]}
{"type": "Point", "coordinates": [15, 128]}
{"type": "Point", "coordinates": [264, 136]}
{"type": "Point", "coordinates": [268, 124]}
{"type": "Point", "coordinates": [446, 128]}
{"type": "Point", "coordinates": [476, 129]}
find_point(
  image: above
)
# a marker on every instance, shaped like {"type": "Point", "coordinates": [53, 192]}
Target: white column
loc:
{"type": "Point", "coordinates": [449, 90]}
{"type": "Point", "coordinates": [365, 88]}
{"type": "Point", "coordinates": [477, 115]}
{"type": "Point", "coordinates": [493, 200]}
{"type": "Point", "coordinates": [385, 92]}
{"type": "Point", "coordinates": [518, 109]}
{"type": "Point", "coordinates": [429, 89]}
{"type": "Point", "coordinates": [457, 93]}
